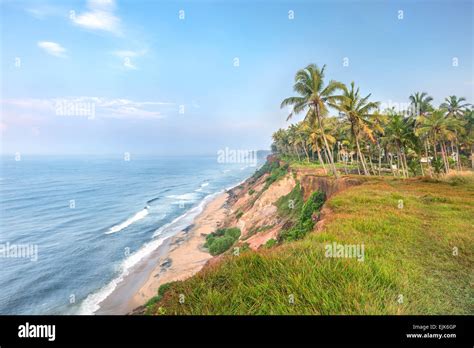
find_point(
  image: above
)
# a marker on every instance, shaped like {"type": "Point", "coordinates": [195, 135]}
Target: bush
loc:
{"type": "Point", "coordinates": [239, 214]}
{"type": "Point", "coordinates": [251, 191]}
{"type": "Point", "coordinates": [276, 174]}
{"type": "Point", "coordinates": [161, 292]}
{"type": "Point", "coordinates": [290, 205]}
{"type": "Point", "coordinates": [221, 240]}
{"type": "Point", "coordinates": [305, 221]}
{"type": "Point", "coordinates": [270, 243]}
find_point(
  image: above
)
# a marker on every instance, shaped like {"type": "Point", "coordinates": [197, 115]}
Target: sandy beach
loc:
{"type": "Point", "coordinates": [185, 255]}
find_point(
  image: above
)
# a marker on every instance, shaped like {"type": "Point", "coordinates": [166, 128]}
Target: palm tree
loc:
{"type": "Point", "coordinates": [399, 136]}
{"type": "Point", "coordinates": [440, 128]}
{"type": "Point", "coordinates": [420, 103]}
{"type": "Point", "coordinates": [357, 111]}
{"type": "Point", "coordinates": [455, 108]}
{"type": "Point", "coordinates": [315, 96]}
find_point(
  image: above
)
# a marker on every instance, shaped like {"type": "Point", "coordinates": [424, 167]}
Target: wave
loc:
{"type": "Point", "coordinates": [91, 303]}
{"type": "Point", "coordinates": [152, 200]}
{"type": "Point", "coordinates": [138, 216]}
{"type": "Point", "coordinates": [186, 219]}
{"type": "Point", "coordinates": [184, 197]}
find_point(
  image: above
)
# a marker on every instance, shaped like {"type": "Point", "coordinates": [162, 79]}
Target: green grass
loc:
{"type": "Point", "coordinates": [313, 164]}
{"type": "Point", "coordinates": [221, 240]}
{"type": "Point", "coordinates": [408, 252]}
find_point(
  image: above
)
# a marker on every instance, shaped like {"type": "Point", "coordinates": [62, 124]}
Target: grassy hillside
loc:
{"type": "Point", "coordinates": [419, 254]}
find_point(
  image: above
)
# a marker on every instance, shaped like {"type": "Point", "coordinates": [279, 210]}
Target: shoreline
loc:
{"type": "Point", "coordinates": [186, 255]}
{"type": "Point", "coordinates": [179, 257]}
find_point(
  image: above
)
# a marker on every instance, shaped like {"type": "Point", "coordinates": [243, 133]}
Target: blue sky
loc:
{"type": "Point", "coordinates": [164, 85]}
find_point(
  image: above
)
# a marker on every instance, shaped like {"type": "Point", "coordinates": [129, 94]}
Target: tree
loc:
{"type": "Point", "coordinates": [420, 103]}
{"type": "Point", "coordinates": [314, 96]}
{"type": "Point", "coordinates": [357, 110]}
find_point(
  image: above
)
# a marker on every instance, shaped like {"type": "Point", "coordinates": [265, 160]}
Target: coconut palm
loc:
{"type": "Point", "coordinates": [455, 106]}
{"type": "Point", "coordinates": [357, 110]}
{"type": "Point", "coordinates": [399, 137]}
{"type": "Point", "coordinates": [420, 103]}
{"type": "Point", "coordinates": [314, 95]}
{"type": "Point", "coordinates": [441, 128]}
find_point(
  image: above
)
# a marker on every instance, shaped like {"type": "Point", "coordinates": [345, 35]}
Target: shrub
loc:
{"type": "Point", "coordinates": [161, 292]}
{"type": "Point", "coordinates": [270, 243]}
{"type": "Point", "coordinates": [251, 191]}
{"type": "Point", "coordinates": [221, 240]}
{"type": "Point", "coordinates": [305, 221]}
{"type": "Point", "coordinates": [276, 174]}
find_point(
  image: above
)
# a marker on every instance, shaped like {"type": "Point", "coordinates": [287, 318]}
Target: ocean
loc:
{"type": "Point", "coordinates": [72, 227]}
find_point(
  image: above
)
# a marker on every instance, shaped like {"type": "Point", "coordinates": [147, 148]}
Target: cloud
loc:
{"type": "Point", "coordinates": [100, 16]}
{"type": "Point", "coordinates": [52, 48]}
{"type": "Point", "coordinates": [97, 107]}
{"type": "Point", "coordinates": [43, 11]}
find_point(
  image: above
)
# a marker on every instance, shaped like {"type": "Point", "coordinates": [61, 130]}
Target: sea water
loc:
{"type": "Point", "coordinates": [91, 219]}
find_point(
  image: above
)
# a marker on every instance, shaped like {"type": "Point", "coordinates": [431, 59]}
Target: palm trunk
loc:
{"type": "Point", "coordinates": [391, 164]}
{"type": "Point", "coordinates": [359, 156]}
{"type": "Point", "coordinates": [406, 164]}
{"type": "Point", "coordinates": [297, 152]}
{"type": "Point", "coordinates": [358, 166]}
{"type": "Point", "coordinates": [428, 159]}
{"type": "Point", "coordinates": [472, 156]}
{"type": "Point", "coordinates": [331, 160]}
{"type": "Point", "coordinates": [445, 158]}
{"type": "Point", "coordinates": [306, 152]}
{"type": "Point", "coordinates": [380, 158]}
{"type": "Point", "coordinates": [320, 157]}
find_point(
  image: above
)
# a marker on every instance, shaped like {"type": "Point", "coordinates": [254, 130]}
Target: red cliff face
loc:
{"type": "Point", "coordinates": [312, 181]}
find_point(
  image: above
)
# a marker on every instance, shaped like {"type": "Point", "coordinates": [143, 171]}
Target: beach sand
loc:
{"type": "Point", "coordinates": [186, 255]}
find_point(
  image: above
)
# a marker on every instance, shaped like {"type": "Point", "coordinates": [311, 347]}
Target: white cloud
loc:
{"type": "Point", "coordinates": [52, 48]}
{"type": "Point", "coordinates": [115, 108]}
{"type": "Point", "coordinates": [100, 16]}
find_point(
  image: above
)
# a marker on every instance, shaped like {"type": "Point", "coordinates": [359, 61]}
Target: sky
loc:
{"type": "Point", "coordinates": [194, 77]}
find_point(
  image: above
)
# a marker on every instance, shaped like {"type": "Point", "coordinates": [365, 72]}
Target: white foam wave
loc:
{"type": "Point", "coordinates": [184, 197]}
{"type": "Point", "coordinates": [205, 184]}
{"type": "Point", "coordinates": [91, 303]}
{"type": "Point", "coordinates": [186, 219]}
{"type": "Point", "coordinates": [138, 216]}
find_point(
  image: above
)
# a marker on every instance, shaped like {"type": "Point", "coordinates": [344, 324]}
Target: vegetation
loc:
{"type": "Point", "coordinates": [239, 214]}
{"type": "Point", "coordinates": [305, 222]}
{"type": "Point", "coordinates": [418, 259]}
{"type": "Point", "coordinates": [270, 243]}
{"type": "Point", "coordinates": [411, 215]}
{"type": "Point", "coordinates": [221, 240]}
{"type": "Point", "coordinates": [290, 206]}
{"type": "Point", "coordinates": [275, 175]}
{"type": "Point", "coordinates": [411, 140]}
{"type": "Point", "coordinates": [151, 303]}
